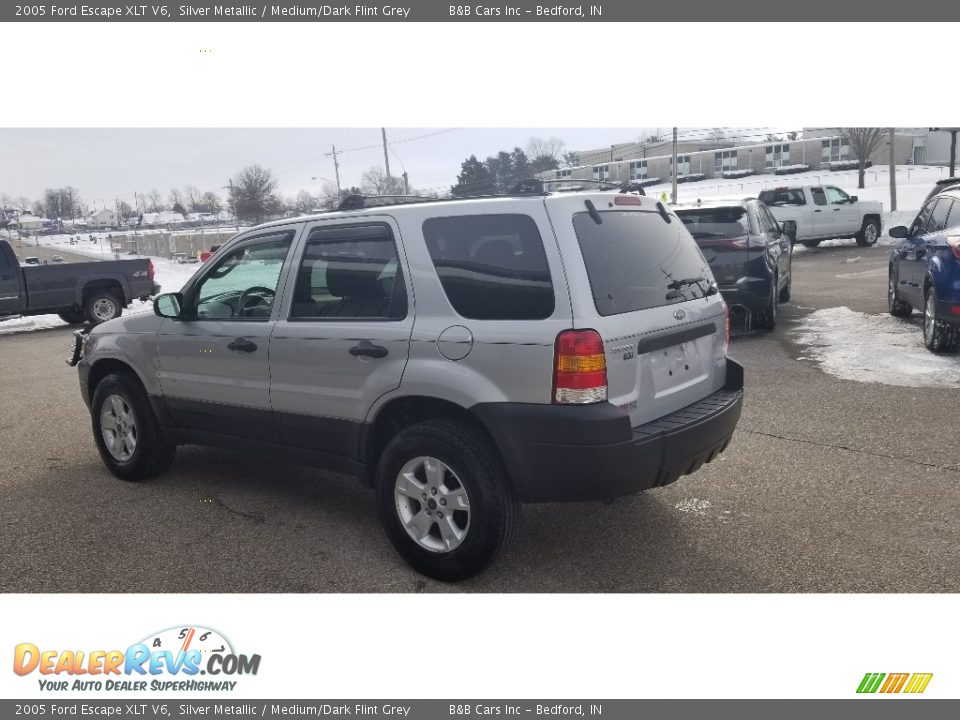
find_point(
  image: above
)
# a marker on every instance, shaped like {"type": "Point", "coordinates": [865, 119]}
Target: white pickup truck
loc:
{"type": "Point", "coordinates": [824, 212]}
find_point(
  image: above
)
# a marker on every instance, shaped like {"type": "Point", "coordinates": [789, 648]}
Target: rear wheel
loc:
{"type": "Point", "coordinates": [811, 243]}
{"type": "Point", "coordinates": [896, 306]}
{"type": "Point", "coordinates": [74, 318]}
{"type": "Point", "coordinates": [768, 318]}
{"type": "Point", "coordinates": [938, 336]}
{"type": "Point", "coordinates": [785, 293]}
{"type": "Point", "coordinates": [127, 434]}
{"type": "Point", "coordinates": [444, 499]}
{"type": "Point", "coordinates": [868, 233]}
{"type": "Point", "coordinates": [101, 305]}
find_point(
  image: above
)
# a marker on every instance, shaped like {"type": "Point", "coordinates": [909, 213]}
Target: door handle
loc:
{"type": "Point", "coordinates": [368, 349]}
{"type": "Point", "coordinates": [242, 345]}
{"type": "Point", "coordinates": [818, 210]}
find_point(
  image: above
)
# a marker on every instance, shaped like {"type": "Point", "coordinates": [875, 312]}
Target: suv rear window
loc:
{"type": "Point", "coordinates": [634, 260]}
{"type": "Point", "coordinates": [716, 222]}
{"type": "Point", "coordinates": [492, 267]}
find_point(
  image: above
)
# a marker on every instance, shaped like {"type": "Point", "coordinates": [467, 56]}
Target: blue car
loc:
{"type": "Point", "coordinates": [925, 269]}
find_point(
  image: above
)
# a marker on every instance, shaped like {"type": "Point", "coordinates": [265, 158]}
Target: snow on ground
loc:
{"type": "Point", "coordinates": [874, 348]}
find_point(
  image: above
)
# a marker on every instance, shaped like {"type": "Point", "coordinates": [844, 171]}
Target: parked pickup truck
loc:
{"type": "Point", "coordinates": [78, 292]}
{"type": "Point", "coordinates": [824, 212]}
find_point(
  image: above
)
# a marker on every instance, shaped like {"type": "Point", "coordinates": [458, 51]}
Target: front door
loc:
{"type": "Point", "coordinates": [9, 283]}
{"type": "Point", "coordinates": [822, 213]}
{"type": "Point", "coordinates": [344, 338]}
{"type": "Point", "coordinates": [214, 363]}
{"type": "Point", "coordinates": [844, 215]}
{"type": "Point", "coordinates": [914, 251]}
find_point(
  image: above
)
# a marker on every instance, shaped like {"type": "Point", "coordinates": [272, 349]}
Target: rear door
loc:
{"type": "Point", "coordinates": [642, 283]}
{"type": "Point", "coordinates": [344, 337]}
{"type": "Point", "coordinates": [821, 213]}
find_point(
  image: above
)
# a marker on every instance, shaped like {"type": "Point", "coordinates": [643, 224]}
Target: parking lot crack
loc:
{"type": "Point", "coordinates": [937, 466]}
{"type": "Point", "coordinates": [250, 516]}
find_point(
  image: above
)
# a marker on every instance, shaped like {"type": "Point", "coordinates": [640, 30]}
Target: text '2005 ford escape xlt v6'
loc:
{"type": "Point", "coordinates": [461, 356]}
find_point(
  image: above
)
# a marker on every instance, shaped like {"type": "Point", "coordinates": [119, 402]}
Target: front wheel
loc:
{"type": "Point", "coordinates": [73, 318]}
{"type": "Point", "coordinates": [444, 499]}
{"type": "Point", "coordinates": [129, 439]}
{"type": "Point", "coordinates": [868, 234]}
{"type": "Point", "coordinates": [938, 336]}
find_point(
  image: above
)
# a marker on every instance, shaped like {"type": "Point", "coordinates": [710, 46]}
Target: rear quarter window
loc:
{"type": "Point", "coordinates": [491, 267]}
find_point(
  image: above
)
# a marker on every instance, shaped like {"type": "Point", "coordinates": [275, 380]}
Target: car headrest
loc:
{"type": "Point", "coordinates": [355, 278]}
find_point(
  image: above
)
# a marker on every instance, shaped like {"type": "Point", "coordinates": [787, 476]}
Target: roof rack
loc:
{"type": "Point", "coordinates": [358, 202]}
{"type": "Point", "coordinates": [538, 186]}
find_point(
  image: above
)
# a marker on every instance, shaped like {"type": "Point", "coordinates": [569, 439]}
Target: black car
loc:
{"type": "Point", "coordinates": [749, 253]}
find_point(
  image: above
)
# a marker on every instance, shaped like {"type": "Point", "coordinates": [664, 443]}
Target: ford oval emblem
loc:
{"type": "Point", "coordinates": [679, 314]}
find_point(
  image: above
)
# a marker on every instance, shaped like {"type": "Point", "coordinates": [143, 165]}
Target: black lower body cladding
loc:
{"type": "Point", "coordinates": [590, 452]}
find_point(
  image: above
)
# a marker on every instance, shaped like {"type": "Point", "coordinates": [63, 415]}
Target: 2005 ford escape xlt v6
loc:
{"type": "Point", "coordinates": [461, 356]}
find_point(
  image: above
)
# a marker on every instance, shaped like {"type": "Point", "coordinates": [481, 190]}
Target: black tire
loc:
{"type": "Point", "coordinates": [869, 233]}
{"type": "Point", "coordinates": [473, 463]}
{"type": "Point", "coordinates": [810, 243]}
{"type": "Point", "coordinates": [896, 306]}
{"type": "Point", "coordinates": [99, 306]}
{"type": "Point", "coordinates": [938, 336]}
{"type": "Point", "coordinates": [785, 292]}
{"type": "Point", "coordinates": [73, 318]}
{"type": "Point", "coordinates": [768, 316]}
{"type": "Point", "coordinates": [153, 452]}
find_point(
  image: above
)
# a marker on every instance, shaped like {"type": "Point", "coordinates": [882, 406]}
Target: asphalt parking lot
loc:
{"type": "Point", "coordinates": [830, 485]}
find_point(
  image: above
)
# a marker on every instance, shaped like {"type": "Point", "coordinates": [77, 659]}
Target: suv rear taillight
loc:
{"type": "Point", "coordinates": [953, 241]}
{"type": "Point", "coordinates": [726, 327]}
{"type": "Point", "coordinates": [150, 269]}
{"type": "Point", "coordinates": [579, 368]}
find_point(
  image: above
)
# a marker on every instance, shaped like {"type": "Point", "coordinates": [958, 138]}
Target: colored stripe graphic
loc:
{"type": "Point", "coordinates": [870, 682]}
{"type": "Point", "coordinates": [894, 683]}
{"type": "Point", "coordinates": [918, 683]}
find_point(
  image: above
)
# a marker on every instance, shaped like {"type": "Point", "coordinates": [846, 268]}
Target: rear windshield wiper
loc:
{"type": "Point", "coordinates": [676, 285]}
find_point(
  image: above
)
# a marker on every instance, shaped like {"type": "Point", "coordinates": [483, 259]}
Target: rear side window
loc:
{"type": "Point", "coordinates": [350, 272]}
{"type": "Point", "coordinates": [819, 197]}
{"type": "Point", "coordinates": [492, 267]}
{"type": "Point", "coordinates": [636, 260]}
{"type": "Point", "coordinates": [783, 196]}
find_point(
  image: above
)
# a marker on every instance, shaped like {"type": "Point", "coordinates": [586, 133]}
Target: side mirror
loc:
{"type": "Point", "coordinates": [168, 305]}
{"type": "Point", "coordinates": [900, 231]}
{"type": "Point", "coordinates": [853, 199]}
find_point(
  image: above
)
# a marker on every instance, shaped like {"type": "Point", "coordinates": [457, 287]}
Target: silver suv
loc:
{"type": "Point", "coordinates": [459, 356]}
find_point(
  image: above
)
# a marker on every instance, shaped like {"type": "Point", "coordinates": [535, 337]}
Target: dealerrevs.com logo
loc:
{"type": "Point", "coordinates": [176, 659]}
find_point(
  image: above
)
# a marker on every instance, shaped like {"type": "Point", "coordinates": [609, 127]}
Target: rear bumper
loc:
{"type": "Point", "coordinates": [750, 292]}
{"type": "Point", "coordinates": [948, 312]}
{"type": "Point", "coordinates": [577, 453]}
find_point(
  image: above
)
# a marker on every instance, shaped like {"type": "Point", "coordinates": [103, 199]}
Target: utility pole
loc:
{"type": "Point", "coordinates": [406, 183]}
{"type": "Point", "coordinates": [386, 157]}
{"type": "Point", "coordinates": [336, 166]}
{"type": "Point", "coordinates": [893, 172]}
{"type": "Point", "coordinates": [674, 195]}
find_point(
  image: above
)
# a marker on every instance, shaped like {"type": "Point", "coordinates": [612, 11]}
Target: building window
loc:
{"type": "Point", "coordinates": [725, 161]}
{"type": "Point", "coordinates": [564, 173]}
{"type": "Point", "coordinates": [778, 155]}
{"type": "Point", "coordinates": [683, 165]}
{"type": "Point", "coordinates": [834, 150]}
{"type": "Point", "coordinates": [601, 172]}
{"type": "Point", "coordinates": [638, 170]}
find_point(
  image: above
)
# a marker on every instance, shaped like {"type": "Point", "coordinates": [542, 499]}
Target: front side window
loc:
{"type": "Point", "coordinates": [350, 272]}
{"type": "Point", "coordinates": [938, 220]}
{"type": "Point", "coordinates": [922, 219]}
{"type": "Point", "coordinates": [491, 267]}
{"type": "Point", "coordinates": [836, 196]}
{"type": "Point", "coordinates": [243, 283]}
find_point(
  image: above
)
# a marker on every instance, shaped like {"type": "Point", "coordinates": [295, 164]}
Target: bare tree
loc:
{"type": "Point", "coordinates": [794, 135]}
{"type": "Point", "coordinates": [303, 203]}
{"type": "Point", "coordinates": [210, 202]}
{"type": "Point", "coordinates": [538, 147]}
{"type": "Point", "coordinates": [718, 134]}
{"type": "Point", "coordinates": [124, 211]}
{"type": "Point", "coordinates": [153, 202]}
{"type": "Point", "coordinates": [862, 142]}
{"type": "Point", "coordinates": [375, 182]}
{"type": "Point", "coordinates": [253, 194]}
{"type": "Point", "coordinates": [570, 160]}
{"type": "Point", "coordinates": [192, 198]}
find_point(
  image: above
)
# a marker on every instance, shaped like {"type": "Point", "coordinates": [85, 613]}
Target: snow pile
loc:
{"type": "Point", "coordinates": [791, 169]}
{"type": "Point", "coordinates": [874, 348]}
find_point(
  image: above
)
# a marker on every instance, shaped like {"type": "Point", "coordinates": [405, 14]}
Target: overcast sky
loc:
{"type": "Point", "coordinates": [108, 164]}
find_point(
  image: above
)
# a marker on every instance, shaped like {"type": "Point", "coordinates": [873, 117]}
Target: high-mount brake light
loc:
{"type": "Point", "coordinates": [580, 368]}
{"type": "Point", "coordinates": [150, 269]}
{"type": "Point", "coordinates": [627, 200]}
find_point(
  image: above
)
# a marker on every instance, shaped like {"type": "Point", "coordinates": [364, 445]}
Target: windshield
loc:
{"type": "Point", "coordinates": [636, 260]}
{"type": "Point", "coordinates": [717, 222]}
